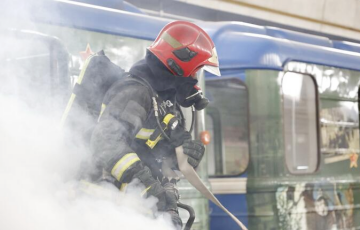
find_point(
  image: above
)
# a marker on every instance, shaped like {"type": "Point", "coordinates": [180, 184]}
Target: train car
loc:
{"type": "Point", "coordinates": [283, 116]}
{"type": "Point", "coordinates": [285, 124]}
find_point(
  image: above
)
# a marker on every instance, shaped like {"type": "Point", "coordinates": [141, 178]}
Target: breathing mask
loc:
{"type": "Point", "coordinates": [189, 94]}
{"type": "Point", "coordinates": [196, 98]}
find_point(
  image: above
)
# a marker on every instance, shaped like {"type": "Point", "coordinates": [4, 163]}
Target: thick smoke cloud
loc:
{"type": "Point", "coordinates": [38, 166]}
{"type": "Point", "coordinates": [36, 190]}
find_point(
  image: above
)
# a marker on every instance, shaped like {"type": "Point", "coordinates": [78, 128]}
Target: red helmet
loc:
{"type": "Point", "coordinates": [184, 48]}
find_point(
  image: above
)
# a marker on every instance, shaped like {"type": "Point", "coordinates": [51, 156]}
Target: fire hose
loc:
{"type": "Point", "coordinates": [191, 175]}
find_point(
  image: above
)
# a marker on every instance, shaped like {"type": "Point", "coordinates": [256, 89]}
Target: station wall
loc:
{"type": "Point", "coordinates": [326, 16]}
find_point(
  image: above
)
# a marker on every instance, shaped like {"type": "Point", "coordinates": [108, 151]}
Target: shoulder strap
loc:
{"type": "Point", "coordinates": [143, 82]}
{"type": "Point", "coordinates": [127, 80]}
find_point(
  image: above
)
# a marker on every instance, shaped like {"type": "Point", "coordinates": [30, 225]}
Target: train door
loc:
{"type": "Point", "coordinates": [321, 129]}
{"type": "Point", "coordinates": [228, 152]}
{"type": "Point", "coordinates": [49, 59]}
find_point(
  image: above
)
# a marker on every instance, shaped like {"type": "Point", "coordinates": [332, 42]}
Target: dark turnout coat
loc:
{"type": "Point", "coordinates": [118, 140]}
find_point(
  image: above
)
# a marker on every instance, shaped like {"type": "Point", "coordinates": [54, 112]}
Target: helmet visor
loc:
{"type": "Point", "coordinates": [212, 69]}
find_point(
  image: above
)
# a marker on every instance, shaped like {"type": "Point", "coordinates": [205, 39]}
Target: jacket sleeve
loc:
{"type": "Point", "coordinates": [111, 139]}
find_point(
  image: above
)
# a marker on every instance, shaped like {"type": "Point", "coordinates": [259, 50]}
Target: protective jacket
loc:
{"type": "Point", "coordinates": [118, 140]}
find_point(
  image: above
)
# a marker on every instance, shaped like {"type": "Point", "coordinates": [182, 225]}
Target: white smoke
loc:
{"type": "Point", "coordinates": [38, 189]}
{"type": "Point", "coordinates": [36, 186]}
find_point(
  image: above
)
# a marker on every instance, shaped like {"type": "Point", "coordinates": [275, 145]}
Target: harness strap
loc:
{"type": "Point", "coordinates": [74, 94]}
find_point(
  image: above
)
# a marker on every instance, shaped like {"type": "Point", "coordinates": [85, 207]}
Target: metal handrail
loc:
{"type": "Point", "coordinates": [339, 151]}
{"type": "Point", "coordinates": [325, 122]}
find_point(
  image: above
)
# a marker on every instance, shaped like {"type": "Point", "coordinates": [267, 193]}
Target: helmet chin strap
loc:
{"type": "Point", "coordinates": [191, 175]}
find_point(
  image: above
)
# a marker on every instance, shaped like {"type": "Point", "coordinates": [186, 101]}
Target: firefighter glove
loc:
{"type": "Point", "coordinates": [195, 151]}
{"type": "Point", "coordinates": [176, 220]}
{"type": "Point", "coordinates": [172, 197]}
{"type": "Point", "coordinates": [178, 136]}
{"type": "Point", "coordinates": [153, 187]}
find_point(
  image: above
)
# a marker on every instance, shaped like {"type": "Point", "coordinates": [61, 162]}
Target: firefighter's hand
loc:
{"type": "Point", "coordinates": [154, 187]}
{"type": "Point", "coordinates": [179, 136]}
{"type": "Point", "coordinates": [176, 220]}
{"type": "Point", "coordinates": [172, 197]}
{"type": "Point", "coordinates": [195, 151]}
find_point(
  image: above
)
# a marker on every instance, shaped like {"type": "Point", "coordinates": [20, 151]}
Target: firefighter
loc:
{"type": "Point", "coordinates": [121, 142]}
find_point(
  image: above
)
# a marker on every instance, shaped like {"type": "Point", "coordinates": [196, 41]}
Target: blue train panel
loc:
{"type": "Point", "coordinates": [114, 4]}
{"type": "Point", "coordinates": [239, 45]}
{"type": "Point", "coordinates": [349, 46]}
{"type": "Point", "coordinates": [236, 204]}
{"type": "Point", "coordinates": [244, 51]}
{"type": "Point", "coordinates": [299, 37]}
{"type": "Point", "coordinates": [98, 19]}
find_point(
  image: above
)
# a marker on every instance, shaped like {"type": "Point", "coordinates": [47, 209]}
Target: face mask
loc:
{"type": "Point", "coordinates": [189, 94]}
{"type": "Point", "coordinates": [197, 99]}
{"type": "Point", "coordinates": [184, 90]}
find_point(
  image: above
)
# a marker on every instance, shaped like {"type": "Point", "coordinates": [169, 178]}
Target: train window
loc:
{"type": "Point", "coordinates": [123, 51]}
{"type": "Point", "coordinates": [227, 121]}
{"type": "Point", "coordinates": [338, 115]}
{"type": "Point", "coordinates": [339, 129]}
{"type": "Point", "coordinates": [300, 122]}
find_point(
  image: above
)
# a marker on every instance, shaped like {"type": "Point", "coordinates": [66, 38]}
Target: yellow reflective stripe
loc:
{"type": "Point", "coordinates": [171, 41]}
{"type": "Point", "coordinates": [73, 96]}
{"type": "Point", "coordinates": [103, 107]}
{"type": "Point", "coordinates": [93, 189]}
{"type": "Point", "coordinates": [142, 137]}
{"type": "Point", "coordinates": [144, 134]}
{"type": "Point", "coordinates": [87, 184]}
{"type": "Point", "coordinates": [123, 164]}
{"type": "Point", "coordinates": [167, 118]}
{"type": "Point", "coordinates": [123, 187]}
{"type": "Point", "coordinates": [67, 110]}
{"type": "Point", "coordinates": [145, 191]}
{"type": "Point", "coordinates": [151, 143]}
{"type": "Point", "coordinates": [83, 70]}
